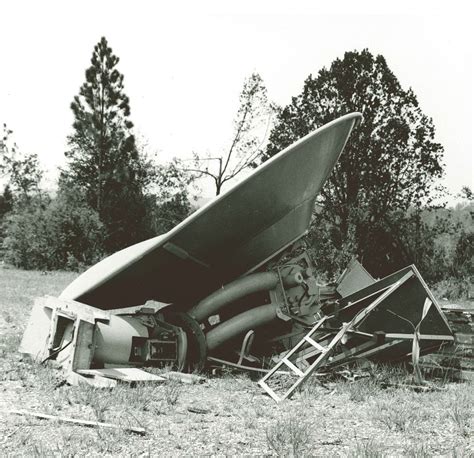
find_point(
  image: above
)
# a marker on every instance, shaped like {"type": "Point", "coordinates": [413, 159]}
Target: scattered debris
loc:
{"type": "Point", "coordinates": [418, 388]}
{"type": "Point", "coordinates": [198, 410]}
{"type": "Point", "coordinates": [455, 359]}
{"type": "Point", "coordinates": [190, 379]}
{"type": "Point", "coordinates": [367, 327]}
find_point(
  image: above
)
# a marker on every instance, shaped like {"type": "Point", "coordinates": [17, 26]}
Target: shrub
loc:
{"type": "Point", "coordinates": [62, 233]}
{"type": "Point", "coordinates": [463, 262]}
{"type": "Point", "coordinates": [172, 392]}
{"type": "Point", "coordinates": [453, 289]}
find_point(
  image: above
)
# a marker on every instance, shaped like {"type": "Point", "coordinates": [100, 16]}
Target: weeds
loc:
{"type": "Point", "coordinates": [313, 387]}
{"type": "Point", "coordinates": [96, 398]}
{"type": "Point", "coordinates": [258, 409]}
{"type": "Point", "coordinates": [360, 390]}
{"type": "Point", "coordinates": [289, 435]}
{"type": "Point", "coordinates": [417, 450]}
{"type": "Point", "coordinates": [140, 397]}
{"type": "Point", "coordinates": [460, 452]}
{"type": "Point", "coordinates": [461, 411]}
{"type": "Point", "coordinates": [248, 417]}
{"type": "Point", "coordinates": [369, 449]}
{"type": "Point", "coordinates": [173, 390]}
{"type": "Point", "coordinates": [398, 413]}
{"type": "Point", "coordinates": [389, 374]}
{"type": "Point", "coordinates": [39, 450]}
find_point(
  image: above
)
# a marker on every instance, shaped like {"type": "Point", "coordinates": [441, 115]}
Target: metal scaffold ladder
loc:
{"type": "Point", "coordinates": [321, 352]}
{"type": "Point", "coordinates": [302, 375]}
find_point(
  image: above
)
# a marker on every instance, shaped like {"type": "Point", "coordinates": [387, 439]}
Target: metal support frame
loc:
{"type": "Point", "coordinates": [324, 352]}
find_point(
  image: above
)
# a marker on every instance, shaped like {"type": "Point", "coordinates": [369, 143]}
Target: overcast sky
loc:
{"type": "Point", "coordinates": [184, 65]}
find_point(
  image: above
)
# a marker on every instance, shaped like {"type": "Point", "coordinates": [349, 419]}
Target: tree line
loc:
{"type": "Point", "coordinates": [378, 204]}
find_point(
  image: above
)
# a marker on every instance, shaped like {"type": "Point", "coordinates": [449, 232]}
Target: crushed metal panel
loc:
{"type": "Point", "coordinates": [78, 309]}
{"type": "Point", "coordinates": [76, 379]}
{"type": "Point", "coordinates": [354, 278]}
{"type": "Point", "coordinates": [36, 335]}
{"type": "Point", "coordinates": [399, 313]}
{"type": "Point", "coordinates": [85, 346]}
{"type": "Point", "coordinates": [402, 310]}
{"type": "Point", "coordinates": [62, 329]}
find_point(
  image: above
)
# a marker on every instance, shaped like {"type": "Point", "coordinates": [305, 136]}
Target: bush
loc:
{"type": "Point", "coordinates": [453, 289]}
{"type": "Point", "coordinates": [45, 234]}
{"type": "Point", "coordinates": [463, 262]}
{"type": "Point", "coordinates": [439, 241]}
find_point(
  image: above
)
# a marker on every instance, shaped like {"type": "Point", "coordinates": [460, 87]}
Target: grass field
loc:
{"type": "Point", "coordinates": [227, 415]}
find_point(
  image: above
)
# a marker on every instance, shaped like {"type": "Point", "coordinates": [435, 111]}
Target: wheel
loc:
{"type": "Point", "coordinates": [197, 347]}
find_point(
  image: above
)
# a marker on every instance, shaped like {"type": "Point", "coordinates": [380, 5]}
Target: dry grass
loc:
{"type": "Point", "coordinates": [230, 415]}
{"type": "Point", "coordinates": [368, 449]}
{"type": "Point", "coordinates": [400, 412]}
{"type": "Point", "coordinates": [461, 412]}
{"type": "Point", "coordinates": [290, 435]}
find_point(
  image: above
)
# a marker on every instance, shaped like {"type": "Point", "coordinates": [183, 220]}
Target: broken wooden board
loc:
{"type": "Point", "coordinates": [124, 374]}
{"type": "Point", "coordinates": [79, 422]}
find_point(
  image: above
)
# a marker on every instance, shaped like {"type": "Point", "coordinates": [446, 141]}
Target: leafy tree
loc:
{"type": "Point", "coordinates": [463, 262]}
{"type": "Point", "coordinates": [390, 163]}
{"type": "Point", "coordinates": [21, 174]}
{"type": "Point", "coordinates": [466, 193]}
{"type": "Point", "coordinates": [171, 200]}
{"type": "Point", "coordinates": [251, 126]}
{"type": "Point", "coordinates": [103, 159]}
{"type": "Point", "coordinates": [22, 171]}
{"type": "Point", "coordinates": [6, 205]}
{"type": "Point", "coordinates": [6, 202]}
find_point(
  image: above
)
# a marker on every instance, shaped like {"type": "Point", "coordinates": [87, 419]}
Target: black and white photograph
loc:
{"type": "Point", "coordinates": [236, 228]}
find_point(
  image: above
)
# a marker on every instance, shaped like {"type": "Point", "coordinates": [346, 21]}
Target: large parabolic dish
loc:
{"type": "Point", "coordinates": [232, 235]}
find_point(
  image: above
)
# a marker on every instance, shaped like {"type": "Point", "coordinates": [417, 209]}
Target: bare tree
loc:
{"type": "Point", "coordinates": [251, 127]}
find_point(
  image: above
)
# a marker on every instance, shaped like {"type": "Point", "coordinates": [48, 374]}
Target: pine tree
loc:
{"type": "Point", "coordinates": [103, 160]}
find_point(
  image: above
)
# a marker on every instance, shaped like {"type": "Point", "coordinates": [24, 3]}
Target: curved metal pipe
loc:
{"type": "Point", "coordinates": [238, 324]}
{"type": "Point", "coordinates": [253, 283]}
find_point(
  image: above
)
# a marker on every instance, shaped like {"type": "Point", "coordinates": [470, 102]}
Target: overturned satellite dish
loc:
{"type": "Point", "coordinates": [234, 289]}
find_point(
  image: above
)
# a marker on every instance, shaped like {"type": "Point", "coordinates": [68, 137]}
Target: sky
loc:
{"type": "Point", "coordinates": [185, 63]}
